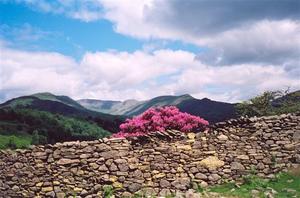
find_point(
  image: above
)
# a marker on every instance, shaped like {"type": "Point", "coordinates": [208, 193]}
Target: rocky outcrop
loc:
{"type": "Point", "coordinates": [157, 164]}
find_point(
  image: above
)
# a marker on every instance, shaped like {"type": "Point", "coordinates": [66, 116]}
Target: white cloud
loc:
{"type": "Point", "coordinates": [139, 75]}
{"type": "Point", "coordinates": [87, 10]}
{"type": "Point", "coordinates": [125, 69]}
{"type": "Point", "coordinates": [234, 83]}
{"type": "Point", "coordinates": [276, 42]}
{"type": "Point", "coordinates": [235, 32]}
{"type": "Point", "coordinates": [26, 72]}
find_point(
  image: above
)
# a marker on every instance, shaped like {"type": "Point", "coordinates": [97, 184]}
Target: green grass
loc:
{"type": "Point", "coordinates": [21, 102]}
{"type": "Point", "coordinates": [14, 142]}
{"type": "Point", "coordinates": [285, 184]}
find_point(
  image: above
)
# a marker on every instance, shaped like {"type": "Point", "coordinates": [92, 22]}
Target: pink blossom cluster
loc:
{"type": "Point", "coordinates": [161, 119]}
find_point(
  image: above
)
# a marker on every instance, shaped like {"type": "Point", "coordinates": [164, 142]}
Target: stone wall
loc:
{"type": "Point", "coordinates": [158, 164]}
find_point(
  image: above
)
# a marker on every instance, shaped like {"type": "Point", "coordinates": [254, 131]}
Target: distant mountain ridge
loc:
{"type": "Point", "coordinates": [213, 111]}
{"type": "Point", "coordinates": [108, 106]}
{"type": "Point", "coordinates": [65, 106]}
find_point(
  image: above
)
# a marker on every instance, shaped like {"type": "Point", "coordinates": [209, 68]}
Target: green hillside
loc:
{"type": "Point", "coordinates": [40, 127]}
{"type": "Point", "coordinates": [63, 99]}
{"type": "Point", "coordinates": [270, 103]}
{"type": "Point", "coordinates": [44, 118]}
{"type": "Point", "coordinates": [65, 106]}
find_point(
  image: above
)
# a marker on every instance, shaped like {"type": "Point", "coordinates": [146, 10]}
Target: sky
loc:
{"type": "Point", "coordinates": [137, 49]}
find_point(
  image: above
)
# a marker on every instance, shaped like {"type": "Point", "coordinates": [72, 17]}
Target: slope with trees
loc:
{"type": "Point", "coordinates": [44, 127]}
{"type": "Point", "coordinates": [270, 103]}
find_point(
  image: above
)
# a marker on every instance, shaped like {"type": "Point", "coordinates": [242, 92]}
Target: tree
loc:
{"type": "Point", "coordinates": [12, 143]}
{"type": "Point", "coordinates": [35, 138]}
{"type": "Point", "coordinates": [161, 119]}
{"type": "Point", "coordinates": [270, 103]}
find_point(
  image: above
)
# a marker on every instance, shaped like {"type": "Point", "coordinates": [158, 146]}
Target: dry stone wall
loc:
{"type": "Point", "coordinates": [158, 165]}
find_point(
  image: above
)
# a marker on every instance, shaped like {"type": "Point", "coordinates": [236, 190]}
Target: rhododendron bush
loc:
{"type": "Point", "coordinates": [161, 119]}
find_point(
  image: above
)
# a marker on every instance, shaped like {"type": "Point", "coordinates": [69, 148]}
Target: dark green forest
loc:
{"type": "Point", "coordinates": [40, 127]}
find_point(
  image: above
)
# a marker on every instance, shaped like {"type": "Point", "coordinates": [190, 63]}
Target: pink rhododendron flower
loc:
{"type": "Point", "coordinates": [161, 119]}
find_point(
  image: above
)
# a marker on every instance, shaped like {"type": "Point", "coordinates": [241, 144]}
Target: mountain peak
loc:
{"type": "Point", "coordinates": [186, 96]}
{"type": "Point", "coordinates": [42, 94]}
{"type": "Point", "coordinates": [206, 99]}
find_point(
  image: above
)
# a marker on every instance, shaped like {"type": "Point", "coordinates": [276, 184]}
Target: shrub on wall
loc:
{"type": "Point", "coordinates": [161, 119]}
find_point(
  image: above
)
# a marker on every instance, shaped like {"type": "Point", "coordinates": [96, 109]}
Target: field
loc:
{"type": "Point", "coordinates": [14, 141]}
{"type": "Point", "coordinates": [284, 185]}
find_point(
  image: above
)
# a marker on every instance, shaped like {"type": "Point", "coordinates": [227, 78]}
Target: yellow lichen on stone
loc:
{"type": "Point", "coordinates": [209, 152]}
{"type": "Point", "coordinates": [159, 175]}
{"type": "Point", "coordinates": [211, 162]}
{"type": "Point", "coordinates": [180, 169]}
{"type": "Point", "coordinates": [47, 189]}
{"type": "Point", "coordinates": [39, 184]}
{"type": "Point", "coordinates": [155, 172]}
{"type": "Point", "coordinates": [144, 167]}
{"type": "Point", "coordinates": [56, 183]}
{"type": "Point", "coordinates": [184, 147]}
{"type": "Point", "coordinates": [191, 136]}
{"type": "Point", "coordinates": [117, 185]}
{"type": "Point", "coordinates": [77, 189]}
{"type": "Point", "coordinates": [113, 178]}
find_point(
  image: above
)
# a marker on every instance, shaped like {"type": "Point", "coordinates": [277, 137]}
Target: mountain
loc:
{"type": "Point", "coordinates": [44, 118]}
{"type": "Point", "coordinates": [65, 106]}
{"type": "Point", "coordinates": [287, 103]}
{"type": "Point", "coordinates": [213, 111]}
{"type": "Point", "coordinates": [293, 97]}
{"type": "Point", "coordinates": [104, 106]}
{"type": "Point", "coordinates": [108, 106]}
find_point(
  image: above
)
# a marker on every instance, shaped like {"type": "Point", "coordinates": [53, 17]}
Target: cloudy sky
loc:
{"type": "Point", "coordinates": [116, 49]}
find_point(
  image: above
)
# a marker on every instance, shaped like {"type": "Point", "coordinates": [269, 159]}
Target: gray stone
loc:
{"type": "Point", "coordinates": [181, 183]}
{"type": "Point", "coordinates": [126, 194]}
{"type": "Point", "coordinates": [84, 156]}
{"type": "Point", "coordinates": [201, 176]}
{"type": "Point", "coordinates": [164, 183]}
{"type": "Point", "coordinates": [237, 166]}
{"type": "Point", "coordinates": [123, 167]}
{"type": "Point", "coordinates": [222, 137]}
{"type": "Point", "coordinates": [214, 177]}
{"type": "Point", "coordinates": [50, 194]}
{"type": "Point", "coordinates": [103, 168]}
{"type": "Point", "coordinates": [203, 184]}
{"type": "Point", "coordinates": [15, 188]}
{"type": "Point", "coordinates": [243, 157]}
{"type": "Point", "coordinates": [18, 165]}
{"type": "Point", "coordinates": [194, 170]}
{"type": "Point", "coordinates": [296, 136]}
{"type": "Point", "coordinates": [113, 167]}
{"type": "Point", "coordinates": [254, 193]}
{"type": "Point", "coordinates": [134, 187]}
{"type": "Point", "coordinates": [260, 166]}
{"type": "Point", "coordinates": [138, 173]}
{"type": "Point", "coordinates": [120, 161]}
{"type": "Point", "coordinates": [60, 195]}
{"type": "Point", "coordinates": [97, 187]}
{"type": "Point", "coordinates": [65, 161]}
{"type": "Point", "coordinates": [164, 192]}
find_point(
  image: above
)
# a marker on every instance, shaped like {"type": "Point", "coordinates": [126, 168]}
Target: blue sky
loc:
{"type": "Point", "coordinates": [144, 48]}
{"type": "Point", "coordinates": [71, 36]}
{"type": "Point", "coordinates": [68, 36]}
